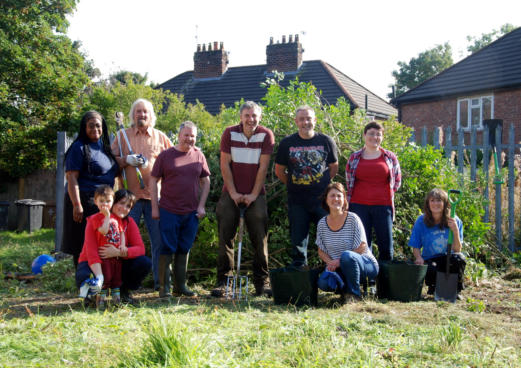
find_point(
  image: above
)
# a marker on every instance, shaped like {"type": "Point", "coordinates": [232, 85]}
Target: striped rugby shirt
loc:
{"type": "Point", "coordinates": [348, 237]}
{"type": "Point", "coordinates": [245, 154]}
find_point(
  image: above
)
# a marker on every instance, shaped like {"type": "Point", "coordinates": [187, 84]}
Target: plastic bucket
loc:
{"type": "Point", "coordinates": [401, 281]}
{"type": "Point", "coordinates": [294, 287]}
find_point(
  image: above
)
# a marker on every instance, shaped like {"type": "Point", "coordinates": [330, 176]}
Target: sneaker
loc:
{"type": "Point", "coordinates": [219, 290]}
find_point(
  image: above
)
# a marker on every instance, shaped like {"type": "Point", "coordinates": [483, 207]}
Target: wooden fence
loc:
{"type": "Point", "coordinates": [465, 156]}
{"type": "Point", "coordinates": [456, 152]}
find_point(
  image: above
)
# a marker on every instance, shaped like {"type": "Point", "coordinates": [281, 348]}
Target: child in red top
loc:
{"type": "Point", "coordinates": [108, 229]}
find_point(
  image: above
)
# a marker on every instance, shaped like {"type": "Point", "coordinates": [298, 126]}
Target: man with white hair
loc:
{"type": "Point", "coordinates": [146, 143]}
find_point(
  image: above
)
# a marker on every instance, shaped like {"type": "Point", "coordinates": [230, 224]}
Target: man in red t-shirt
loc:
{"type": "Point", "coordinates": [183, 172]}
{"type": "Point", "coordinates": [245, 155]}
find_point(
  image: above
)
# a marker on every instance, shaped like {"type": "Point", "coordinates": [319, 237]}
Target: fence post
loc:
{"type": "Point", "coordinates": [461, 143]}
{"type": "Point", "coordinates": [424, 136]}
{"type": "Point", "coordinates": [436, 138]}
{"type": "Point", "coordinates": [511, 145]}
{"type": "Point", "coordinates": [486, 161]}
{"type": "Point", "coordinates": [60, 190]}
{"type": "Point", "coordinates": [448, 142]}
{"type": "Point", "coordinates": [499, 150]}
{"type": "Point", "coordinates": [473, 153]}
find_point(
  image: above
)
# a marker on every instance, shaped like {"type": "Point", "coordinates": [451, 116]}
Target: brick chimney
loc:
{"type": "Point", "coordinates": [284, 56]}
{"type": "Point", "coordinates": [210, 62]}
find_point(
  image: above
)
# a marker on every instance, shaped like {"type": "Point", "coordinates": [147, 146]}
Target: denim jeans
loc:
{"type": "Point", "coordinates": [177, 231]}
{"type": "Point", "coordinates": [256, 221]}
{"type": "Point", "coordinates": [143, 208]}
{"type": "Point", "coordinates": [354, 269]}
{"type": "Point", "coordinates": [300, 217]}
{"type": "Point", "coordinates": [381, 219]}
{"type": "Point", "coordinates": [133, 272]}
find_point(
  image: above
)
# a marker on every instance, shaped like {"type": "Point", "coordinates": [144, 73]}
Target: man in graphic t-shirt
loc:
{"type": "Point", "coordinates": [306, 162]}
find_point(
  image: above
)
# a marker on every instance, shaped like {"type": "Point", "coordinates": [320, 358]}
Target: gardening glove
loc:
{"type": "Point", "coordinates": [91, 286]}
{"type": "Point", "coordinates": [97, 284]}
{"type": "Point", "coordinates": [134, 160]}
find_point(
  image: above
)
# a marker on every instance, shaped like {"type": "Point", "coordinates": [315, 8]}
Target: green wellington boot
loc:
{"type": "Point", "coordinates": [164, 275]}
{"type": "Point", "coordinates": [180, 265]}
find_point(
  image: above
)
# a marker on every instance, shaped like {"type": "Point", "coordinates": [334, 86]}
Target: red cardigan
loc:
{"type": "Point", "coordinates": [135, 244]}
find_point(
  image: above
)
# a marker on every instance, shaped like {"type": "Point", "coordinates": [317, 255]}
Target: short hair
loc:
{"type": "Point", "coordinates": [329, 188]}
{"type": "Point", "coordinates": [148, 106]}
{"type": "Point", "coordinates": [103, 190]}
{"type": "Point", "coordinates": [373, 125]}
{"type": "Point", "coordinates": [250, 105]}
{"type": "Point", "coordinates": [125, 194]}
{"type": "Point", "coordinates": [428, 219]}
{"type": "Point", "coordinates": [304, 108]}
{"type": "Point", "coordinates": [187, 124]}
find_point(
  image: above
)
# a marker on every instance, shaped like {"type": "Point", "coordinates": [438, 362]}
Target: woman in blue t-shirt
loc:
{"type": "Point", "coordinates": [430, 235]}
{"type": "Point", "coordinates": [89, 163]}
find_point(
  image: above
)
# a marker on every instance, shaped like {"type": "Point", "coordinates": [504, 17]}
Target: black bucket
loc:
{"type": "Point", "coordinates": [400, 280]}
{"type": "Point", "coordinates": [290, 286]}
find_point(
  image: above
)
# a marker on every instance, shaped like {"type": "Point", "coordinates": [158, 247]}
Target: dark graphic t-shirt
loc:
{"type": "Point", "coordinates": [308, 162]}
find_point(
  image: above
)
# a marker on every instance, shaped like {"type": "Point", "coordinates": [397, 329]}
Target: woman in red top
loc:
{"type": "Point", "coordinates": [135, 266]}
{"type": "Point", "coordinates": [372, 176]}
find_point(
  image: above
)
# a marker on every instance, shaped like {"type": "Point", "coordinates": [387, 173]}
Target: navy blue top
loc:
{"type": "Point", "coordinates": [100, 170]}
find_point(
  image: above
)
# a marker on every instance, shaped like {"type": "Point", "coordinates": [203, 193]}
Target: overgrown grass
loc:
{"type": "Point", "coordinates": [475, 332]}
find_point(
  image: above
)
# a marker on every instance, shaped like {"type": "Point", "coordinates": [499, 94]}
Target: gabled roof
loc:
{"type": "Point", "coordinates": [244, 82]}
{"type": "Point", "coordinates": [495, 66]}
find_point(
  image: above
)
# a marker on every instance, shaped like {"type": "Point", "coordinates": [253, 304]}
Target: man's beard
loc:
{"type": "Point", "coordinates": [141, 123]}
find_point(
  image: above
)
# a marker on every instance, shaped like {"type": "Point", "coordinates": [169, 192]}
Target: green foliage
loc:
{"type": "Point", "coordinates": [58, 277]}
{"type": "Point", "coordinates": [18, 250]}
{"type": "Point", "coordinates": [477, 43]}
{"type": "Point", "coordinates": [426, 65]}
{"type": "Point", "coordinates": [476, 305]}
{"type": "Point", "coordinates": [42, 74]}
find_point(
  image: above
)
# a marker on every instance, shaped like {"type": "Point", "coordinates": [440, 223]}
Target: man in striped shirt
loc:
{"type": "Point", "coordinates": [245, 155]}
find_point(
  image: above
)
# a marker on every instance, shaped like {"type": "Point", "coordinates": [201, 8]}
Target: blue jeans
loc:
{"type": "Point", "coordinates": [143, 208]}
{"type": "Point", "coordinates": [381, 219]}
{"type": "Point", "coordinates": [133, 272]}
{"type": "Point", "coordinates": [300, 217]}
{"type": "Point", "coordinates": [354, 268]}
{"type": "Point", "coordinates": [177, 231]}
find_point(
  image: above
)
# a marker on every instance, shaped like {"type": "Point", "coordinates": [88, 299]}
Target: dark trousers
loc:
{"type": "Point", "coordinates": [437, 264]}
{"type": "Point", "coordinates": [256, 221]}
{"type": "Point", "coordinates": [300, 218]}
{"type": "Point", "coordinates": [381, 219]}
{"type": "Point", "coordinates": [74, 232]}
{"type": "Point", "coordinates": [111, 268]}
{"type": "Point", "coordinates": [133, 272]}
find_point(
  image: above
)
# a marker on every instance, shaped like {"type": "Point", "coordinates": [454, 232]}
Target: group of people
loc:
{"type": "Point", "coordinates": [168, 186]}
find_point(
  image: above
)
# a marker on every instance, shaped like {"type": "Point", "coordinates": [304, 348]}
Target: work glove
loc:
{"type": "Point", "coordinates": [91, 286]}
{"type": "Point", "coordinates": [134, 160]}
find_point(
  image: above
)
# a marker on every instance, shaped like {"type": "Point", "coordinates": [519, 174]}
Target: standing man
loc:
{"type": "Point", "coordinates": [245, 155]}
{"type": "Point", "coordinates": [149, 142]}
{"type": "Point", "coordinates": [186, 183]}
{"type": "Point", "coordinates": [306, 161]}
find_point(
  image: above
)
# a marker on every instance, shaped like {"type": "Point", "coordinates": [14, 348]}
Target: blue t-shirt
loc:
{"type": "Point", "coordinates": [432, 240]}
{"type": "Point", "coordinates": [101, 169]}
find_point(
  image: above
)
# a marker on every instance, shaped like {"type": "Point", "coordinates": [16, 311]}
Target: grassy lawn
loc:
{"type": "Point", "coordinates": [44, 325]}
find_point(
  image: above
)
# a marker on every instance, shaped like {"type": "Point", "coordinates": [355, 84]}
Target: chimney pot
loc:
{"type": "Point", "coordinates": [284, 39]}
{"type": "Point", "coordinates": [198, 47]}
{"type": "Point", "coordinates": [221, 46]}
{"type": "Point", "coordinates": [296, 38]}
{"type": "Point", "coordinates": [215, 43]}
{"type": "Point", "coordinates": [290, 39]}
{"type": "Point", "coordinates": [271, 40]}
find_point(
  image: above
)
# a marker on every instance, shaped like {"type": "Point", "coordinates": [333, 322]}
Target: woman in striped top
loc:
{"type": "Point", "coordinates": [342, 243]}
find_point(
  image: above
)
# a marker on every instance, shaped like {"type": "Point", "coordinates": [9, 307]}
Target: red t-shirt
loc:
{"type": "Point", "coordinates": [180, 173]}
{"type": "Point", "coordinates": [96, 239]}
{"type": "Point", "coordinates": [372, 183]}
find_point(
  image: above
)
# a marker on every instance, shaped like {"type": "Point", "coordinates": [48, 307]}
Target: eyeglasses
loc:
{"type": "Point", "coordinates": [375, 134]}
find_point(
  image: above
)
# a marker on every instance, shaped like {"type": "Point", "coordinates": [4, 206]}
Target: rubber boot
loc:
{"type": "Point", "coordinates": [180, 265]}
{"type": "Point", "coordinates": [164, 275]}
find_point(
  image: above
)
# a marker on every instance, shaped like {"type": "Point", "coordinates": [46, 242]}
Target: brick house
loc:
{"type": "Point", "coordinates": [214, 84]}
{"type": "Point", "coordinates": [485, 85]}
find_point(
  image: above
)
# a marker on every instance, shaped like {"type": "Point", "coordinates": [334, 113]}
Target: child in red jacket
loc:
{"type": "Point", "coordinates": [107, 227]}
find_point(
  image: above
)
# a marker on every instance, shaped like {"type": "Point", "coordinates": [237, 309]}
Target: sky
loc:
{"type": "Point", "coordinates": [363, 39]}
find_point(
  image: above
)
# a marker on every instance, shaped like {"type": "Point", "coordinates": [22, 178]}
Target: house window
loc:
{"type": "Point", "coordinates": [472, 111]}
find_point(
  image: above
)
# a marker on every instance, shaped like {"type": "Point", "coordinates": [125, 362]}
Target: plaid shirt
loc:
{"type": "Point", "coordinates": [395, 179]}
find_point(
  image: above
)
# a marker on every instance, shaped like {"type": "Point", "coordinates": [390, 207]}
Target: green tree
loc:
{"type": "Point", "coordinates": [123, 76]}
{"type": "Point", "coordinates": [426, 65]}
{"type": "Point", "coordinates": [477, 43]}
{"type": "Point", "coordinates": [42, 74]}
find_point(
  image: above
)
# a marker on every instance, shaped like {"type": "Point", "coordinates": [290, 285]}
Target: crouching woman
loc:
{"type": "Point", "coordinates": [430, 235]}
{"type": "Point", "coordinates": [342, 244]}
